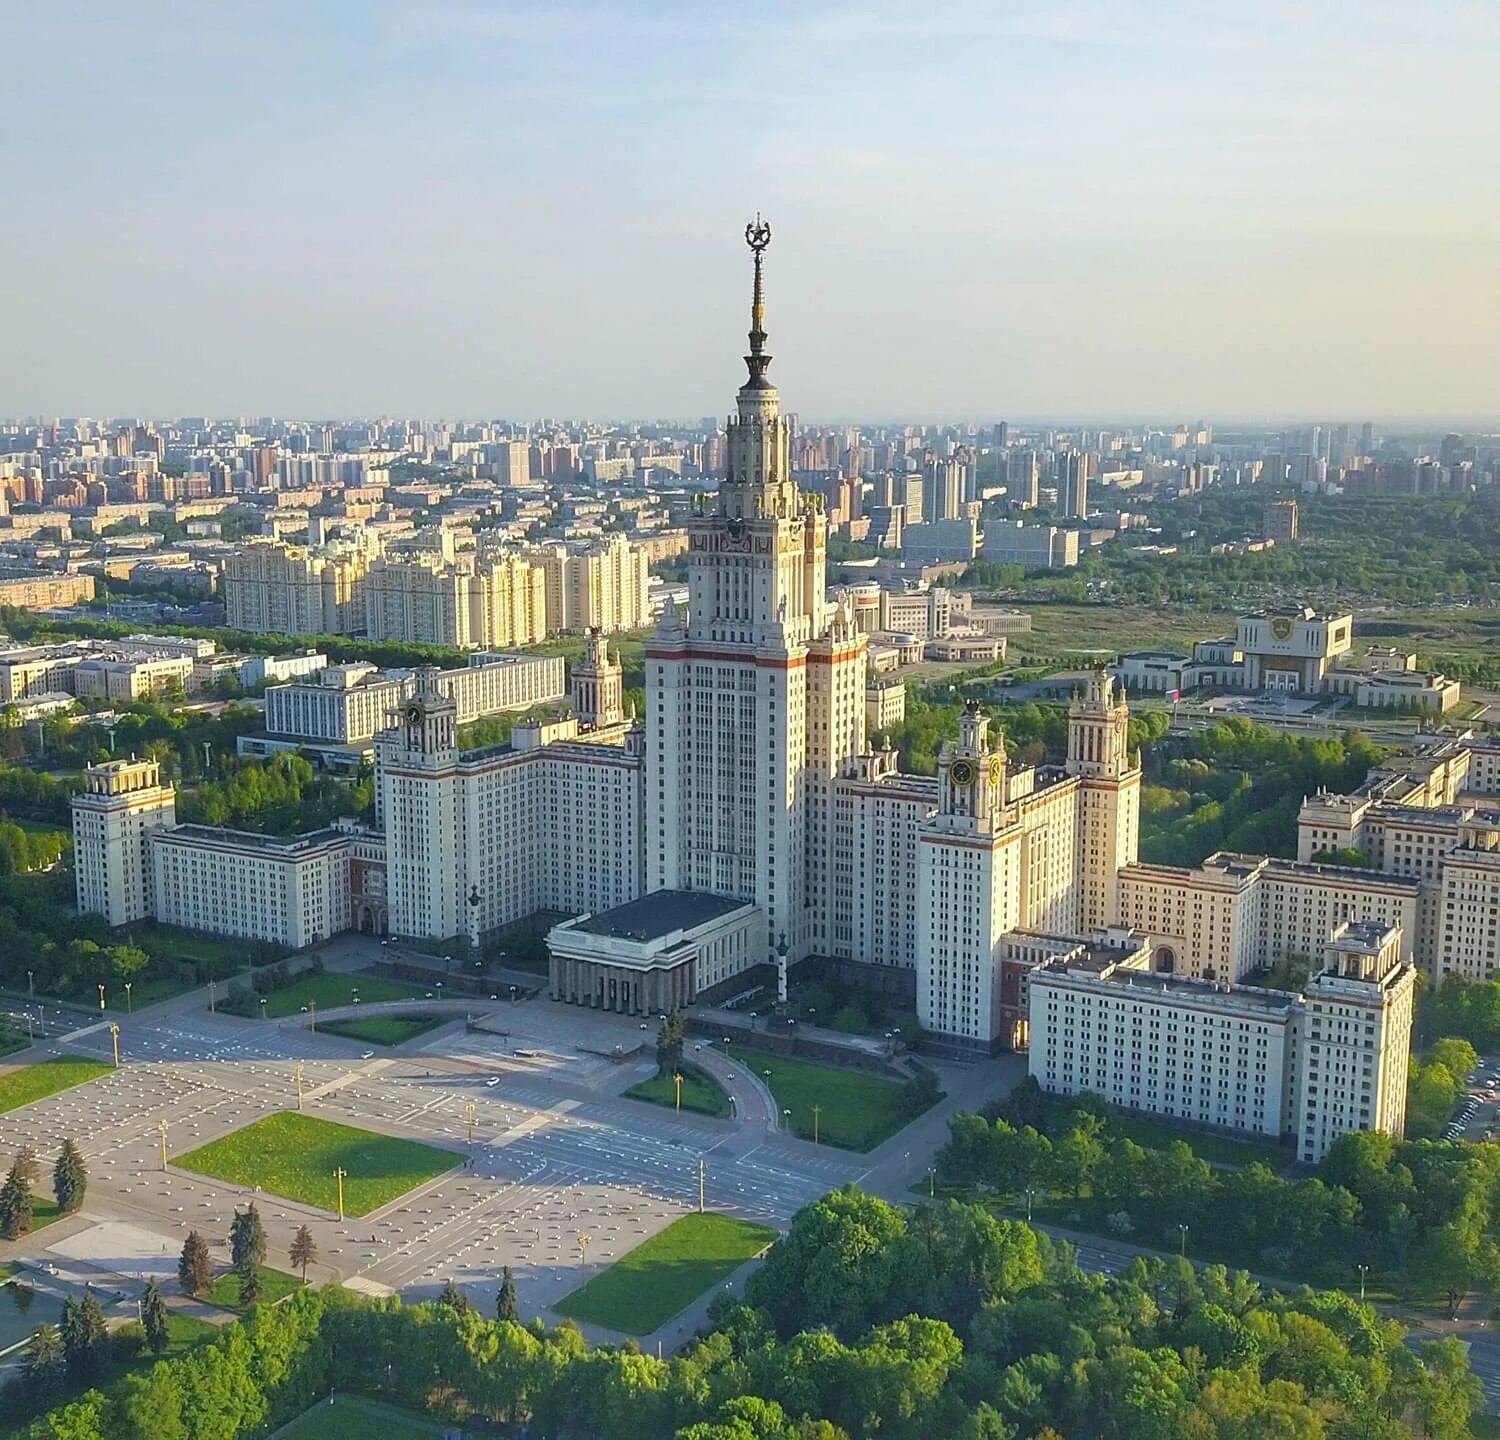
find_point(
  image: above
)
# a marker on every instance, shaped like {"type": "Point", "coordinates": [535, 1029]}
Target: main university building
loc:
{"type": "Point", "coordinates": [748, 825]}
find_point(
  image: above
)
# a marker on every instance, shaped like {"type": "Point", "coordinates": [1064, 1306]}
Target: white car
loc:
{"type": "Point", "coordinates": [368, 1055]}
{"type": "Point", "coordinates": [493, 1081]}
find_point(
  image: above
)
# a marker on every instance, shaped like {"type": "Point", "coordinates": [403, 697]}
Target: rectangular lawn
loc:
{"type": "Point", "coordinates": [643, 1290]}
{"type": "Point", "coordinates": [295, 1155]}
{"type": "Point", "coordinates": [384, 1029]}
{"type": "Point", "coordinates": [225, 1290]}
{"type": "Point", "coordinates": [857, 1111]}
{"type": "Point", "coordinates": [700, 1094]}
{"type": "Point", "coordinates": [327, 990]}
{"type": "Point", "coordinates": [352, 1417]}
{"type": "Point", "coordinates": [36, 1082]}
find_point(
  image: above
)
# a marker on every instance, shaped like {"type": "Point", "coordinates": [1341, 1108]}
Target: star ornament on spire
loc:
{"type": "Point", "coordinates": [757, 234]}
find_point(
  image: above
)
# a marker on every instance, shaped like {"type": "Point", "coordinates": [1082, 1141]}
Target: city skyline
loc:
{"type": "Point", "coordinates": [1050, 214]}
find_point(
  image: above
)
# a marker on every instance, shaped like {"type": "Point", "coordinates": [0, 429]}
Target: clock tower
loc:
{"type": "Point", "coordinates": [428, 720]}
{"type": "Point", "coordinates": [971, 777]}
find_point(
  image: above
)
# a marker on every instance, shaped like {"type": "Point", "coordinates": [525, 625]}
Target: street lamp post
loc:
{"type": "Point", "coordinates": [129, 1008]}
{"type": "Point", "coordinates": [583, 1248]}
{"type": "Point", "coordinates": [262, 1007]}
{"type": "Point", "coordinates": [114, 1034]}
{"type": "Point", "coordinates": [312, 1016]}
{"type": "Point", "coordinates": [702, 1177]}
{"type": "Point", "coordinates": [1183, 1230]}
{"type": "Point", "coordinates": [677, 1081]}
{"type": "Point", "coordinates": [1363, 1271]}
{"type": "Point", "coordinates": [162, 1127]}
{"type": "Point", "coordinates": [339, 1175]}
{"type": "Point", "coordinates": [31, 984]}
{"type": "Point", "coordinates": [297, 1073]}
{"type": "Point", "coordinates": [817, 1111]}
{"type": "Point", "coordinates": [1030, 1194]}
{"type": "Point", "coordinates": [471, 1111]}
{"type": "Point", "coordinates": [211, 996]}
{"type": "Point", "coordinates": [101, 997]}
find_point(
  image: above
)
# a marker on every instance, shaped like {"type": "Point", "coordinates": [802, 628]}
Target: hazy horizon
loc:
{"type": "Point", "coordinates": [1146, 211]}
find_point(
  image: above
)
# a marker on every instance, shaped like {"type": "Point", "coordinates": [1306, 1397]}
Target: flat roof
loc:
{"type": "Point", "coordinates": [253, 840]}
{"type": "Point", "coordinates": [660, 914]}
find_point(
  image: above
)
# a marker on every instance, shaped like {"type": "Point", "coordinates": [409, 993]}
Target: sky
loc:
{"type": "Point", "coordinates": [1143, 210]}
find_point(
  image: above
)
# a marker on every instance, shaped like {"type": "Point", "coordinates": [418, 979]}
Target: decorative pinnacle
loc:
{"type": "Point", "coordinates": [757, 237]}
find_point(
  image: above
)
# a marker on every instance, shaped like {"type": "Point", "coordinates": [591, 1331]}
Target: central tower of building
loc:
{"type": "Point", "coordinates": [755, 698]}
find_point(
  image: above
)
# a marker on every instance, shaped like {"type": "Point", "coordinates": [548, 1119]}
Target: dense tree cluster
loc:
{"type": "Point", "coordinates": [1422, 1216]}
{"type": "Point", "coordinates": [25, 851]}
{"type": "Point", "coordinates": [864, 1322]}
{"type": "Point", "coordinates": [278, 796]}
{"type": "Point", "coordinates": [1467, 1009]}
{"type": "Point", "coordinates": [1435, 1084]}
{"type": "Point", "coordinates": [1238, 786]}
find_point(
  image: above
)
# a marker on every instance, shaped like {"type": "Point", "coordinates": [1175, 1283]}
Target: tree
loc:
{"type": "Point", "coordinates": [247, 1238]}
{"type": "Point", "coordinates": [16, 1204]}
{"type": "Point", "coordinates": [46, 1365]}
{"type": "Point", "coordinates": [505, 1302]}
{"type": "Point", "coordinates": [669, 1044]}
{"type": "Point", "coordinates": [85, 1339]}
{"type": "Point", "coordinates": [252, 1287]}
{"type": "Point", "coordinates": [195, 1269]}
{"type": "Point", "coordinates": [154, 1318]}
{"type": "Point", "coordinates": [28, 1165]}
{"type": "Point", "coordinates": [454, 1299]}
{"type": "Point", "coordinates": [304, 1251]}
{"type": "Point", "coordinates": [70, 1178]}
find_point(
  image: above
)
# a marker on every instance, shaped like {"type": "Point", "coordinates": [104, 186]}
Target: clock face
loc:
{"type": "Point", "coordinates": [413, 714]}
{"type": "Point", "coordinates": [962, 772]}
{"type": "Point", "coordinates": [997, 769]}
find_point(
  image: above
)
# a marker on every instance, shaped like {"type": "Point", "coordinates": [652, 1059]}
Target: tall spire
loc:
{"type": "Point", "coordinates": [757, 237]}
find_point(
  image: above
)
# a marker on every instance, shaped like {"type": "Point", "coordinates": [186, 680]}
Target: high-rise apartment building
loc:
{"type": "Point", "coordinates": [482, 603]}
{"type": "Point", "coordinates": [1071, 469]}
{"type": "Point", "coordinates": [1281, 521]}
{"type": "Point", "coordinates": [272, 589]}
{"type": "Point", "coordinates": [602, 586]}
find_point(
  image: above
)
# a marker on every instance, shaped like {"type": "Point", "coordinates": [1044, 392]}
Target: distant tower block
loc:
{"type": "Point", "coordinates": [598, 686]}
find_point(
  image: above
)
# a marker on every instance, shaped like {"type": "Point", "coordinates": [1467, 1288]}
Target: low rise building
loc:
{"type": "Point", "coordinates": [290, 890]}
{"type": "Point", "coordinates": [657, 953]}
{"type": "Point", "coordinates": [1308, 1066]}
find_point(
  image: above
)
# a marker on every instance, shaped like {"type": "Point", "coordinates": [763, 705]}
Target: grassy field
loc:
{"type": "Point", "coordinates": [225, 1290]}
{"type": "Point", "coordinates": [351, 1417]}
{"type": "Point", "coordinates": [384, 1029]}
{"type": "Point", "coordinates": [327, 991]}
{"type": "Point", "coordinates": [47, 1077]}
{"type": "Point", "coordinates": [700, 1094]}
{"type": "Point", "coordinates": [858, 1111]}
{"type": "Point", "coordinates": [643, 1290]}
{"type": "Point", "coordinates": [1072, 633]}
{"type": "Point", "coordinates": [295, 1155]}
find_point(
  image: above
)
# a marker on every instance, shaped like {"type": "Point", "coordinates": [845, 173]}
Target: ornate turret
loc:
{"type": "Point", "coordinates": [598, 685]}
{"type": "Point", "coordinates": [758, 477]}
{"type": "Point", "coordinates": [757, 237]}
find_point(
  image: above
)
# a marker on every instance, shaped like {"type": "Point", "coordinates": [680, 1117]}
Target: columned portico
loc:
{"type": "Point", "coordinates": [654, 954]}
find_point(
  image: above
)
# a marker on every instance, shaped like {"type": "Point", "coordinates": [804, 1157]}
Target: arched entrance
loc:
{"type": "Point", "coordinates": [1164, 960]}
